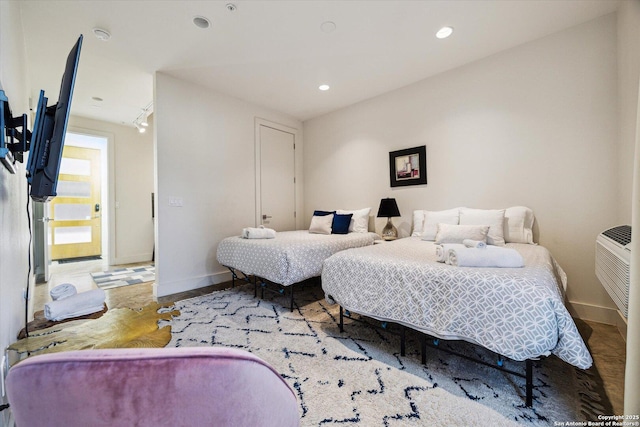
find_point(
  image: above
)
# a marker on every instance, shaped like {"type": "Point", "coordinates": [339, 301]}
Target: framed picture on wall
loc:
{"type": "Point", "coordinates": [408, 166]}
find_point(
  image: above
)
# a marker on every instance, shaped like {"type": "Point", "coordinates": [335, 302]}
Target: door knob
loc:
{"type": "Point", "coordinates": [266, 216]}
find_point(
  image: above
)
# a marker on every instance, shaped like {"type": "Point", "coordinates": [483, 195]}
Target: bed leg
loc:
{"type": "Point", "coordinates": [403, 336]}
{"type": "Point", "coordinates": [255, 286]}
{"type": "Point", "coordinates": [291, 302]}
{"type": "Point", "coordinates": [341, 320]}
{"type": "Point", "coordinates": [529, 378]}
{"type": "Point", "coordinates": [423, 348]}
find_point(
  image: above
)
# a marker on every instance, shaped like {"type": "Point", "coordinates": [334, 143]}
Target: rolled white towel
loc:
{"type": "Point", "coordinates": [258, 233]}
{"type": "Point", "coordinates": [474, 243]}
{"type": "Point", "coordinates": [442, 251]}
{"type": "Point", "coordinates": [491, 256]}
{"type": "Point", "coordinates": [74, 306]}
{"type": "Point", "coordinates": [62, 291]}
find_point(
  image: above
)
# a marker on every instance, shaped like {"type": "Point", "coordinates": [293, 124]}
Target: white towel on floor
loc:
{"type": "Point", "coordinates": [474, 243]}
{"type": "Point", "coordinates": [258, 233]}
{"type": "Point", "coordinates": [491, 256]}
{"type": "Point", "coordinates": [62, 291]}
{"type": "Point", "coordinates": [75, 306]}
{"type": "Point", "coordinates": [442, 251]}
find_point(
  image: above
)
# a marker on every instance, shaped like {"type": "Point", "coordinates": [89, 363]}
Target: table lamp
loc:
{"type": "Point", "coordinates": [388, 208]}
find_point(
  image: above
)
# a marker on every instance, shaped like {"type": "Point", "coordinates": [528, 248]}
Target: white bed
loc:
{"type": "Point", "coordinates": [515, 312]}
{"type": "Point", "coordinates": [291, 257]}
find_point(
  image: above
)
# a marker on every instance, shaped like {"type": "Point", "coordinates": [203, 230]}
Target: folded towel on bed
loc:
{"type": "Point", "coordinates": [442, 251]}
{"type": "Point", "coordinates": [491, 256]}
{"type": "Point", "coordinates": [75, 306]}
{"type": "Point", "coordinates": [62, 291]}
{"type": "Point", "coordinates": [258, 233]}
{"type": "Point", "coordinates": [474, 243]}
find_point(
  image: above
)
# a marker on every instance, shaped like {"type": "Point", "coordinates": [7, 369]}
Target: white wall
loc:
{"type": "Point", "coordinates": [628, 70]}
{"type": "Point", "coordinates": [204, 156]}
{"type": "Point", "coordinates": [535, 125]}
{"type": "Point", "coordinates": [131, 182]}
{"type": "Point", "coordinates": [14, 225]}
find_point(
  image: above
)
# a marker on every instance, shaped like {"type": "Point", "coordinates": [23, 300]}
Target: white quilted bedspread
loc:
{"type": "Point", "coordinates": [293, 256]}
{"type": "Point", "coordinates": [516, 312]}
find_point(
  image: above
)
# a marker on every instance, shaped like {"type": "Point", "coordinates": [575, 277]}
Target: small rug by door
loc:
{"type": "Point", "coordinates": [79, 259]}
{"type": "Point", "coordinates": [124, 276]}
{"type": "Point", "coordinates": [358, 377]}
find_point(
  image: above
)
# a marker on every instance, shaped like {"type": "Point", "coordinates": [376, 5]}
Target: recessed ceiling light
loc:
{"type": "Point", "coordinates": [101, 34]}
{"type": "Point", "coordinates": [201, 22]}
{"type": "Point", "coordinates": [323, 87]}
{"type": "Point", "coordinates": [328, 26]}
{"type": "Point", "coordinates": [231, 7]}
{"type": "Point", "coordinates": [444, 32]}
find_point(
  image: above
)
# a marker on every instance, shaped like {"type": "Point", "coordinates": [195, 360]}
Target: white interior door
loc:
{"type": "Point", "coordinates": [277, 207]}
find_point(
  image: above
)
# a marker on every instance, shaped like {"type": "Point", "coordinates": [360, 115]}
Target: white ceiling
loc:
{"type": "Point", "coordinates": [274, 53]}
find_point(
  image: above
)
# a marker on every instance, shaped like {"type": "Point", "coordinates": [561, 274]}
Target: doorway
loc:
{"type": "Point", "coordinates": [73, 226]}
{"type": "Point", "coordinates": [275, 176]}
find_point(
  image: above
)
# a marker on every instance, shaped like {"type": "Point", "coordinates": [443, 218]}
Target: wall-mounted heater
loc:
{"type": "Point", "coordinates": [613, 250]}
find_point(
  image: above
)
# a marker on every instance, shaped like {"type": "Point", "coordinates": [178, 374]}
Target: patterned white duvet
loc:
{"type": "Point", "coordinates": [293, 256]}
{"type": "Point", "coordinates": [516, 312]}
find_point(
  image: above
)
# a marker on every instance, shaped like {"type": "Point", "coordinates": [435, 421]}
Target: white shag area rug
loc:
{"type": "Point", "coordinates": [359, 378]}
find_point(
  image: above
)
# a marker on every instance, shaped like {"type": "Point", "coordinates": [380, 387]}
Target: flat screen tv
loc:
{"type": "Point", "coordinates": [49, 130]}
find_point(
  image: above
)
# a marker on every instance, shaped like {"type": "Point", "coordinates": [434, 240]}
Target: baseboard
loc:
{"type": "Point", "coordinates": [621, 324]}
{"type": "Point", "coordinates": [164, 289]}
{"type": "Point", "coordinates": [594, 313]}
{"type": "Point", "coordinates": [131, 259]}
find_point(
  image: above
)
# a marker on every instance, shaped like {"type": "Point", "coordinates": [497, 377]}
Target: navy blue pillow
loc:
{"type": "Point", "coordinates": [323, 213]}
{"type": "Point", "coordinates": [341, 223]}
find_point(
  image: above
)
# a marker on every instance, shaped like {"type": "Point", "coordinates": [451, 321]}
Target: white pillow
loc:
{"type": "Point", "coordinates": [433, 218]}
{"type": "Point", "coordinates": [359, 221]}
{"type": "Point", "coordinates": [518, 225]}
{"type": "Point", "coordinates": [321, 224]}
{"type": "Point", "coordinates": [493, 218]}
{"type": "Point", "coordinates": [418, 220]}
{"type": "Point", "coordinates": [448, 233]}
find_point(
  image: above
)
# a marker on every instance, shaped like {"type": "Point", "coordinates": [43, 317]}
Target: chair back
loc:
{"type": "Point", "coordinates": [195, 386]}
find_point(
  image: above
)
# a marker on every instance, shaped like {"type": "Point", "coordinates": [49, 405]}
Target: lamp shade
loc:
{"type": "Point", "coordinates": [388, 208]}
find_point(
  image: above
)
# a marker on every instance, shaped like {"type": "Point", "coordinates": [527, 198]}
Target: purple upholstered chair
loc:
{"type": "Point", "coordinates": [196, 386]}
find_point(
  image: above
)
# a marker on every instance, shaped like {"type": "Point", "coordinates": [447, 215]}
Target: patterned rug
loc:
{"type": "Point", "coordinates": [124, 276]}
{"type": "Point", "coordinates": [359, 378]}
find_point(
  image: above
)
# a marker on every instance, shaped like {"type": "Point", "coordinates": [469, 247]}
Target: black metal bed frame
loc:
{"type": "Point", "coordinates": [528, 375]}
{"type": "Point", "coordinates": [262, 283]}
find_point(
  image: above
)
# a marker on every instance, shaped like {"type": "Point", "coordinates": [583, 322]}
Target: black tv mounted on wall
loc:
{"type": "Point", "coordinates": [49, 131]}
{"type": "Point", "coordinates": [46, 142]}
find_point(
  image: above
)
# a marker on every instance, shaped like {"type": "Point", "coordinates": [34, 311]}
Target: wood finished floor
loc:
{"type": "Point", "coordinates": [605, 342]}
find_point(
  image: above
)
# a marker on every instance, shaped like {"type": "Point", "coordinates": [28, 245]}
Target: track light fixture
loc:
{"type": "Point", "coordinates": [141, 122]}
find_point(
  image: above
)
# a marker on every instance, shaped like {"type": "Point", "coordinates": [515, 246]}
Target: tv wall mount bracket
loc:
{"type": "Point", "coordinates": [15, 137]}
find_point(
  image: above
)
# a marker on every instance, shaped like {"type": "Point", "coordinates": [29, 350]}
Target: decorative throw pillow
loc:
{"type": "Point", "coordinates": [518, 225]}
{"type": "Point", "coordinates": [321, 224]}
{"type": "Point", "coordinates": [340, 224]}
{"type": "Point", "coordinates": [493, 218]}
{"type": "Point", "coordinates": [433, 218]}
{"type": "Point", "coordinates": [359, 220]}
{"type": "Point", "coordinates": [323, 213]}
{"type": "Point", "coordinates": [449, 233]}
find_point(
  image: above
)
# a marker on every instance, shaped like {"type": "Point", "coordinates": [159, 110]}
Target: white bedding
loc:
{"type": "Point", "coordinates": [291, 257]}
{"type": "Point", "coordinates": [516, 312]}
